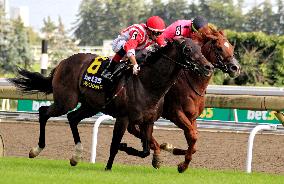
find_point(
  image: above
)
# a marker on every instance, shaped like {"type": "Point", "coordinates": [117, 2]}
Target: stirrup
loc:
{"type": "Point", "coordinates": [107, 75]}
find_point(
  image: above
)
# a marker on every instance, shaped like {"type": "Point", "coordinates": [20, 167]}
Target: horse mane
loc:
{"type": "Point", "coordinates": [211, 32]}
{"type": "Point", "coordinates": [153, 55]}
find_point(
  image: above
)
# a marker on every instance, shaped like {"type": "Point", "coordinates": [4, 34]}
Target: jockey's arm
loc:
{"type": "Point", "coordinates": [132, 60]}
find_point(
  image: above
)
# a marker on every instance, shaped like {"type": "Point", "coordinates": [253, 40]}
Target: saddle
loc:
{"type": "Point", "coordinates": [120, 69]}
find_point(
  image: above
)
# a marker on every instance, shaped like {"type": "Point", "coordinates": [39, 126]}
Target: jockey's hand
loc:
{"type": "Point", "coordinates": [136, 69]}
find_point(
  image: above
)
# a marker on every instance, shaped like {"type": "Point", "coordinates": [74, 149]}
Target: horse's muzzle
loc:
{"type": "Point", "coordinates": [234, 68]}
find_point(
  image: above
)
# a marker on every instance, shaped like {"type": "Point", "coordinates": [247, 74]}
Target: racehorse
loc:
{"type": "Point", "coordinates": [185, 101]}
{"type": "Point", "coordinates": [134, 100]}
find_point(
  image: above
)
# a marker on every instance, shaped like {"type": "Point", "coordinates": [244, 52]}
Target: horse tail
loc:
{"type": "Point", "coordinates": [33, 81]}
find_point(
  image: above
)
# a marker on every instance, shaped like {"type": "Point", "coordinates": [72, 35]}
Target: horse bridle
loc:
{"type": "Point", "coordinates": [220, 60]}
{"type": "Point", "coordinates": [191, 65]}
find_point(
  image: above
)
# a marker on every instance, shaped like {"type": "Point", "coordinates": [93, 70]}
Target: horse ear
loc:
{"type": "Point", "coordinates": [221, 32]}
{"type": "Point", "coordinates": [212, 37]}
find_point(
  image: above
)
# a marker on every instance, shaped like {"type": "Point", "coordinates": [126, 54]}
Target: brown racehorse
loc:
{"type": "Point", "coordinates": [185, 100]}
{"type": "Point", "coordinates": [134, 100]}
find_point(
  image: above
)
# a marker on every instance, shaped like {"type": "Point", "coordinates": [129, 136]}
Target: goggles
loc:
{"type": "Point", "coordinates": [193, 28]}
{"type": "Point", "coordinates": [156, 33]}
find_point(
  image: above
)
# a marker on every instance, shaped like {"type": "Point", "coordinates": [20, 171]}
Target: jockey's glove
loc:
{"type": "Point", "coordinates": [136, 69]}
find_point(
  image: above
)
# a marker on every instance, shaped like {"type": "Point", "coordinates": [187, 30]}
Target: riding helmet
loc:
{"type": "Point", "coordinates": [156, 23]}
{"type": "Point", "coordinates": [199, 22]}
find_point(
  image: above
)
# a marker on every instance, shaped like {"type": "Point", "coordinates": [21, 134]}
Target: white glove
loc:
{"type": "Point", "coordinates": [136, 69]}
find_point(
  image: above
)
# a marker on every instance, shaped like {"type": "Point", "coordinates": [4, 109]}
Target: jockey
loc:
{"type": "Point", "coordinates": [135, 38]}
{"type": "Point", "coordinates": [186, 28]}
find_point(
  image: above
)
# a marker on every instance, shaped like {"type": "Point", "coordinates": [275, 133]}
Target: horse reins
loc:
{"type": "Point", "coordinates": [219, 64]}
{"type": "Point", "coordinates": [198, 93]}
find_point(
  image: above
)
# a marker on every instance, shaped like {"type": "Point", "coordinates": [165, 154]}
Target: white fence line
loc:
{"type": "Point", "coordinates": [250, 143]}
{"type": "Point", "coordinates": [95, 135]}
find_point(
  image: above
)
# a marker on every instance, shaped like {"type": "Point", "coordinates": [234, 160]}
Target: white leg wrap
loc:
{"type": "Point", "coordinates": [36, 150]}
{"type": "Point", "coordinates": [167, 147]}
{"type": "Point", "coordinates": [78, 152]}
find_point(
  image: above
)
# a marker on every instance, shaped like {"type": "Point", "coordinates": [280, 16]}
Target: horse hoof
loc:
{"type": "Point", "coordinates": [73, 162]}
{"type": "Point", "coordinates": [31, 154]}
{"type": "Point", "coordinates": [156, 161]}
{"type": "Point", "coordinates": [182, 167]}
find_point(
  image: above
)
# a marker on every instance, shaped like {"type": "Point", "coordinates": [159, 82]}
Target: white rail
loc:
{"type": "Point", "coordinates": [95, 135]}
{"type": "Point", "coordinates": [245, 90]}
{"type": "Point", "coordinates": [250, 143]}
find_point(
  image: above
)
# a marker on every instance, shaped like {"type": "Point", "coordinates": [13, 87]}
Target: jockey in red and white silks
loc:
{"type": "Point", "coordinates": [134, 38]}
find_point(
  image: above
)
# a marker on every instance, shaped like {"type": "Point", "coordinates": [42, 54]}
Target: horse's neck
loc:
{"type": "Point", "coordinates": [157, 78]}
{"type": "Point", "coordinates": [196, 82]}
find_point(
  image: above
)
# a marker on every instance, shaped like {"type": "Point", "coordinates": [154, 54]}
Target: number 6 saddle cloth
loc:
{"type": "Point", "coordinates": [92, 76]}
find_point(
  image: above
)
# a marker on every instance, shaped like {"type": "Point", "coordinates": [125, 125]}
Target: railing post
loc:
{"type": "Point", "coordinates": [280, 116]}
{"type": "Point", "coordinates": [2, 146]}
{"type": "Point", "coordinates": [250, 142]}
{"type": "Point", "coordinates": [95, 135]}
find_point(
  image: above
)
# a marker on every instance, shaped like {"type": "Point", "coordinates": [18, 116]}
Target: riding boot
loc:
{"type": "Point", "coordinates": [108, 71]}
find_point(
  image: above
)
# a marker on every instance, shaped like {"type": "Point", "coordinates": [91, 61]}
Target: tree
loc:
{"type": "Point", "coordinates": [204, 8]}
{"type": "Point", "coordinates": [171, 13]}
{"type": "Point", "coordinates": [22, 46]}
{"type": "Point", "coordinates": [268, 18]}
{"type": "Point", "coordinates": [253, 20]}
{"type": "Point", "coordinates": [5, 40]}
{"type": "Point", "coordinates": [278, 26]}
{"type": "Point", "coordinates": [156, 7]}
{"type": "Point", "coordinates": [100, 20]}
{"type": "Point", "coordinates": [14, 45]}
{"type": "Point", "coordinates": [193, 10]}
{"type": "Point", "coordinates": [60, 44]}
{"type": "Point", "coordinates": [90, 25]}
{"type": "Point", "coordinates": [225, 14]}
{"type": "Point", "coordinates": [121, 14]}
{"type": "Point", "coordinates": [48, 28]}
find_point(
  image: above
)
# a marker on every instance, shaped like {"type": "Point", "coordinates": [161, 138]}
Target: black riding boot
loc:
{"type": "Point", "coordinates": [108, 71]}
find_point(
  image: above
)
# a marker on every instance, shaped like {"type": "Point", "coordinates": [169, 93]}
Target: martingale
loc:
{"type": "Point", "coordinates": [92, 78]}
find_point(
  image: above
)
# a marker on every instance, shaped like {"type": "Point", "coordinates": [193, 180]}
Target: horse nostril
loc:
{"type": "Point", "coordinates": [234, 68]}
{"type": "Point", "coordinates": [209, 67]}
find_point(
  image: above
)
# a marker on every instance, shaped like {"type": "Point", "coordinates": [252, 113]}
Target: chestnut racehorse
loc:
{"type": "Point", "coordinates": [134, 100]}
{"type": "Point", "coordinates": [186, 99]}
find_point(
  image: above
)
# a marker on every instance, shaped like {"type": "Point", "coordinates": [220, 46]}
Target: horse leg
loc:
{"type": "Point", "coordinates": [43, 117]}
{"type": "Point", "coordinates": [154, 145]}
{"type": "Point", "coordinates": [118, 132]}
{"type": "Point", "coordinates": [74, 119]}
{"type": "Point", "coordinates": [64, 101]}
{"type": "Point", "coordinates": [147, 130]}
{"type": "Point", "coordinates": [45, 112]}
{"type": "Point", "coordinates": [145, 139]}
{"type": "Point", "coordinates": [190, 132]}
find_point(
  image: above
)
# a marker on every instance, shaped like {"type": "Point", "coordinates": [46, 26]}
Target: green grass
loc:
{"type": "Point", "coordinates": [24, 170]}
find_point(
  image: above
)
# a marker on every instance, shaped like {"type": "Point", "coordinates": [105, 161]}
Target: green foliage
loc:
{"type": "Point", "coordinates": [261, 57]}
{"type": "Point", "coordinates": [104, 19]}
{"type": "Point", "coordinates": [60, 45]}
{"type": "Point", "coordinates": [171, 13]}
{"type": "Point", "coordinates": [14, 45]}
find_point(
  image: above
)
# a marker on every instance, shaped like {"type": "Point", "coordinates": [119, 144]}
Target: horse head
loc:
{"type": "Point", "coordinates": [192, 57]}
{"type": "Point", "coordinates": [219, 51]}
